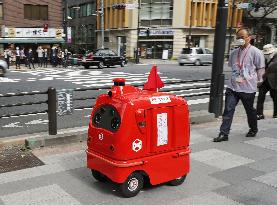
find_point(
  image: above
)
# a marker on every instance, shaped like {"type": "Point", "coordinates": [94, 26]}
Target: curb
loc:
{"type": "Point", "coordinates": [77, 134]}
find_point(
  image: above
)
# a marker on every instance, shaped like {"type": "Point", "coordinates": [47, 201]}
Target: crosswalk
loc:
{"type": "Point", "coordinates": [97, 78]}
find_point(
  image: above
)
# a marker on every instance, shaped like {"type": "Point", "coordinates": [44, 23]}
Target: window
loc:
{"type": "Point", "coordinates": [156, 12]}
{"type": "Point", "coordinates": [1, 10]}
{"type": "Point", "coordinates": [208, 51]}
{"type": "Point", "coordinates": [199, 51]}
{"type": "Point", "coordinates": [35, 12]}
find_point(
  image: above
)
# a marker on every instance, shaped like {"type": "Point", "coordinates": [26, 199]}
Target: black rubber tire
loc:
{"type": "Point", "coordinates": [98, 176]}
{"type": "Point", "coordinates": [181, 64]}
{"type": "Point", "coordinates": [127, 189]}
{"type": "Point", "coordinates": [100, 65]}
{"type": "Point", "coordinates": [197, 63]}
{"type": "Point", "coordinates": [178, 181]}
{"type": "Point", "coordinates": [86, 66]}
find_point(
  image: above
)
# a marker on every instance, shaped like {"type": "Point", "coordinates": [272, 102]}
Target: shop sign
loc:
{"type": "Point", "coordinates": [69, 37]}
{"type": "Point", "coordinates": [65, 102]}
{"type": "Point", "coordinates": [32, 33]}
{"type": "Point", "coordinates": [166, 32]}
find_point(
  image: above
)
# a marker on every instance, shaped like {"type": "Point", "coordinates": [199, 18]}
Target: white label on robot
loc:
{"type": "Point", "coordinates": [160, 99]}
{"type": "Point", "coordinates": [162, 129]}
{"type": "Point", "coordinates": [137, 145]}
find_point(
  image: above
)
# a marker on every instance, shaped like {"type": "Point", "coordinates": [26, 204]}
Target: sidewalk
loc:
{"type": "Point", "coordinates": [240, 171]}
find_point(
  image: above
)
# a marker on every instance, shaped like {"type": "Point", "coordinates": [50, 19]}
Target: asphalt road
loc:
{"type": "Point", "coordinates": [26, 80]}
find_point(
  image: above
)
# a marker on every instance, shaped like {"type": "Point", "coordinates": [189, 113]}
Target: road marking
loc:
{"type": "Point", "coordinates": [35, 122]}
{"type": "Point", "coordinates": [14, 124]}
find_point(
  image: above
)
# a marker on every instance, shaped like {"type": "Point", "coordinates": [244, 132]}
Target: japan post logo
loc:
{"type": "Point", "coordinates": [137, 145]}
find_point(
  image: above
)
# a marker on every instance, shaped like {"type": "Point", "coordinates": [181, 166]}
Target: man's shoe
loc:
{"type": "Point", "coordinates": [221, 137]}
{"type": "Point", "coordinates": [260, 117]}
{"type": "Point", "coordinates": [251, 133]}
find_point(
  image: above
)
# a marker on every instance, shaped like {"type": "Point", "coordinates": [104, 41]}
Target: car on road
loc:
{"type": "Point", "coordinates": [102, 58]}
{"type": "Point", "coordinates": [195, 55]}
{"type": "Point", "coordinates": [75, 59]}
{"type": "Point", "coordinates": [3, 68]}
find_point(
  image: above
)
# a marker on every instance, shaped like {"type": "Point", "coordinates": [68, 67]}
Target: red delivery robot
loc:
{"type": "Point", "coordinates": [138, 135]}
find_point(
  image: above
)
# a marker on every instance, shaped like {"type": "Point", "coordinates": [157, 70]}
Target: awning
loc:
{"type": "Point", "coordinates": [31, 40]}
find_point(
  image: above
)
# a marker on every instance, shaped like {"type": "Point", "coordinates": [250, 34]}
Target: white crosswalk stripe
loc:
{"type": "Point", "coordinates": [97, 78]}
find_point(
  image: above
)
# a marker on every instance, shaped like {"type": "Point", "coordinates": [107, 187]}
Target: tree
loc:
{"type": "Point", "coordinates": [261, 9]}
{"type": "Point", "coordinates": [260, 15]}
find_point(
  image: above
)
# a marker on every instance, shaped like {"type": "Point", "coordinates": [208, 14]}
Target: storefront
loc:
{"type": "Point", "coordinates": [30, 38]}
{"type": "Point", "coordinates": [157, 44]}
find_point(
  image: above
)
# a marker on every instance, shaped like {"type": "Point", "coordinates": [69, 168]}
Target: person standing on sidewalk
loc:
{"type": "Point", "coordinates": [270, 54]}
{"type": "Point", "coordinates": [45, 57]}
{"type": "Point", "coordinates": [247, 63]}
{"type": "Point", "coordinates": [7, 56]}
{"type": "Point", "coordinates": [40, 56]}
{"type": "Point", "coordinates": [30, 57]}
{"type": "Point", "coordinates": [17, 58]}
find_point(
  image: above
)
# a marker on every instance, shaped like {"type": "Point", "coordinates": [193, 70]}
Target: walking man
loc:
{"type": "Point", "coordinates": [270, 54]}
{"type": "Point", "coordinates": [247, 63]}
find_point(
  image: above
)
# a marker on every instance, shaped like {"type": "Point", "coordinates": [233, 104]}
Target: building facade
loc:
{"type": "Point", "coordinates": [81, 19]}
{"type": "Point", "coordinates": [160, 25]}
{"type": "Point", "coordinates": [264, 29]}
{"type": "Point", "coordinates": [30, 23]}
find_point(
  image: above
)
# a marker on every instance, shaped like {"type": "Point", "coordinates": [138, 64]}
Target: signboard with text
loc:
{"type": "Point", "coordinates": [165, 32]}
{"type": "Point", "coordinates": [32, 33]}
{"type": "Point", "coordinates": [65, 102]}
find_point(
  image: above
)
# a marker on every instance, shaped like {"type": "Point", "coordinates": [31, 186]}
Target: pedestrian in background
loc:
{"type": "Point", "coordinates": [247, 63]}
{"type": "Point", "coordinates": [17, 58]}
{"type": "Point", "coordinates": [65, 58]}
{"type": "Point", "coordinates": [53, 56]}
{"type": "Point", "coordinates": [30, 57]}
{"type": "Point", "coordinates": [7, 56]}
{"type": "Point", "coordinates": [23, 57]}
{"type": "Point", "coordinates": [45, 58]}
{"type": "Point", "coordinates": [270, 54]}
{"type": "Point", "coordinates": [40, 56]}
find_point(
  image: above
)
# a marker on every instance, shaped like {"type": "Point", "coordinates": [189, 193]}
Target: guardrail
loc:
{"type": "Point", "coordinates": [51, 101]}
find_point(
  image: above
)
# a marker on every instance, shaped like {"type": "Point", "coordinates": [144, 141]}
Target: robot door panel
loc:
{"type": "Point", "coordinates": [160, 128]}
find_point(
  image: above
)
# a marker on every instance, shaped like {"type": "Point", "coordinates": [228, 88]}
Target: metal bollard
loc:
{"type": "Point", "coordinates": [52, 111]}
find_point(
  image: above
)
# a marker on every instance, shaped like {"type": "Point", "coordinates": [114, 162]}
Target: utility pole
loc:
{"type": "Point", "coordinates": [138, 31]}
{"type": "Point", "coordinates": [102, 23]}
{"type": "Point", "coordinates": [65, 20]}
{"type": "Point", "coordinates": [231, 26]}
{"type": "Point", "coordinates": [218, 78]}
{"type": "Point", "coordinates": [190, 24]}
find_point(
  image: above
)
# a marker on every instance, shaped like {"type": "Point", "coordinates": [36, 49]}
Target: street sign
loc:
{"type": "Point", "coordinates": [131, 6]}
{"type": "Point", "coordinates": [65, 102]}
{"type": "Point", "coordinates": [243, 6]}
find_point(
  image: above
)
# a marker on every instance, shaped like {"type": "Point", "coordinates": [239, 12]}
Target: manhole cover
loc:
{"type": "Point", "coordinates": [14, 158]}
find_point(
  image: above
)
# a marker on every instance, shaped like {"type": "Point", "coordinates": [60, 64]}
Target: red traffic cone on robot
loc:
{"type": "Point", "coordinates": [154, 81]}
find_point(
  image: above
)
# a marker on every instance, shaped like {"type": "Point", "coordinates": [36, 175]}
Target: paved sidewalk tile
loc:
{"type": "Point", "coordinates": [207, 199]}
{"type": "Point", "coordinates": [220, 159]}
{"type": "Point", "coordinates": [47, 195]}
{"type": "Point", "coordinates": [269, 179]}
{"type": "Point", "coordinates": [265, 142]}
{"type": "Point", "coordinates": [195, 138]}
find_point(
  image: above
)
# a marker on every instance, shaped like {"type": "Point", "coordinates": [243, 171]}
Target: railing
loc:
{"type": "Point", "coordinates": [51, 101]}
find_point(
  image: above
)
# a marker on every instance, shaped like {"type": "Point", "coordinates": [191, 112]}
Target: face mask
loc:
{"type": "Point", "coordinates": [240, 42]}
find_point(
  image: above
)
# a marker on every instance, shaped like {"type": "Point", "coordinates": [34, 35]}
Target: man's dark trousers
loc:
{"type": "Point", "coordinates": [231, 100]}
